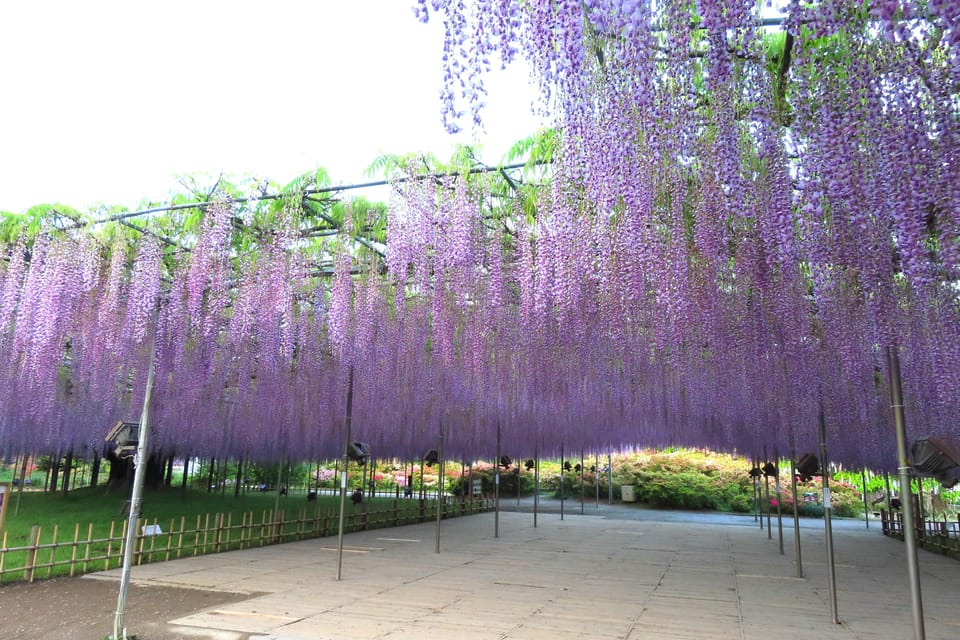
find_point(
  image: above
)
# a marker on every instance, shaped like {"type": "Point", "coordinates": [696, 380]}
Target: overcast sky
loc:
{"type": "Point", "coordinates": [108, 100]}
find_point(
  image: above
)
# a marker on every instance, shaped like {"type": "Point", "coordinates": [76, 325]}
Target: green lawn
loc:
{"type": "Point", "coordinates": [214, 522]}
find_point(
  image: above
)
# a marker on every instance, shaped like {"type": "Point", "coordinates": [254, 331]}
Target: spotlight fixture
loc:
{"type": "Point", "coordinates": [566, 466]}
{"type": "Point", "coordinates": [431, 457]}
{"type": "Point", "coordinates": [770, 470]}
{"type": "Point", "coordinates": [529, 464]}
{"type": "Point", "coordinates": [577, 468]}
{"type": "Point", "coordinates": [124, 437]}
{"type": "Point", "coordinates": [938, 458]}
{"type": "Point", "coordinates": [505, 462]}
{"type": "Point", "coordinates": [756, 472]}
{"type": "Point", "coordinates": [807, 466]}
{"type": "Point", "coordinates": [358, 451]}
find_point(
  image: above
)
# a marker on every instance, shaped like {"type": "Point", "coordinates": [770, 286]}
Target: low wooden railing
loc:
{"type": "Point", "coordinates": [51, 553]}
{"type": "Point", "coordinates": [940, 536]}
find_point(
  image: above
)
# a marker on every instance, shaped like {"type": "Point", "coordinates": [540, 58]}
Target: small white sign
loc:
{"type": "Point", "coordinates": [343, 481]}
{"type": "Point", "coordinates": [152, 530]}
{"type": "Point", "coordinates": [826, 497]}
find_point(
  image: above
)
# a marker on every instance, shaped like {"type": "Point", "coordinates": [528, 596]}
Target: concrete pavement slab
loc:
{"type": "Point", "coordinates": [593, 576]}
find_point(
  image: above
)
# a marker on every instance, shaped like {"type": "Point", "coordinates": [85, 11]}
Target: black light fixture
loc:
{"type": "Point", "coordinates": [577, 468]}
{"type": "Point", "coordinates": [124, 437]}
{"type": "Point", "coordinates": [529, 464]}
{"type": "Point", "coordinates": [566, 466]}
{"type": "Point", "coordinates": [505, 462]}
{"type": "Point", "coordinates": [358, 451]}
{"type": "Point", "coordinates": [935, 457]}
{"type": "Point", "coordinates": [807, 467]}
{"type": "Point", "coordinates": [756, 472]}
{"type": "Point", "coordinates": [770, 470]}
{"type": "Point", "coordinates": [431, 457]}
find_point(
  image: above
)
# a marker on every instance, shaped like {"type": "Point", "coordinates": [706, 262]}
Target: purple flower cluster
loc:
{"type": "Point", "coordinates": [726, 245]}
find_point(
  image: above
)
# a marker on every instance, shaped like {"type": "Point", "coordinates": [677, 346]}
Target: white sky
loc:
{"type": "Point", "coordinates": [107, 100]}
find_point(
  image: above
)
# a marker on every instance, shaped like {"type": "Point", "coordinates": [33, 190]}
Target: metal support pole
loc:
{"type": "Point", "coordinates": [344, 474]}
{"type": "Point", "coordinates": [757, 514]}
{"type": "Point", "coordinates": [139, 475]}
{"type": "Point", "coordinates": [827, 514]}
{"type": "Point", "coordinates": [766, 498]}
{"type": "Point", "coordinates": [866, 509]}
{"type": "Point", "coordinates": [276, 501]}
{"type": "Point", "coordinates": [906, 500]}
{"type": "Point", "coordinates": [496, 488]}
{"type": "Point", "coordinates": [920, 510]}
{"type": "Point", "coordinates": [796, 516]}
{"type": "Point", "coordinates": [536, 483]}
{"type": "Point", "coordinates": [596, 475]}
{"type": "Point", "coordinates": [581, 481]}
{"type": "Point", "coordinates": [886, 482]}
{"type": "Point", "coordinates": [440, 483]}
{"type": "Point", "coordinates": [562, 464]}
{"type": "Point", "coordinates": [779, 508]}
{"type": "Point", "coordinates": [610, 479]}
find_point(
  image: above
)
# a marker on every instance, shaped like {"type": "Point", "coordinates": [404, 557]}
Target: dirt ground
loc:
{"type": "Point", "coordinates": [84, 608]}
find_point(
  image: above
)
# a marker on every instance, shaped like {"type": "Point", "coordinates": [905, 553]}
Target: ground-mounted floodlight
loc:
{"type": "Point", "coordinates": [567, 466]}
{"type": "Point", "coordinates": [431, 457]}
{"type": "Point", "coordinates": [935, 457]}
{"type": "Point", "coordinates": [756, 472]}
{"type": "Point", "coordinates": [807, 467]}
{"type": "Point", "coordinates": [770, 470]}
{"type": "Point", "coordinates": [529, 464]}
{"type": "Point", "coordinates": [505, 462]}
{"type": "Point", "coordinates": [124, 436]}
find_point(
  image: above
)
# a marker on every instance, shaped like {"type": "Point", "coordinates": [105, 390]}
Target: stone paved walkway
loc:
{"type": "Point", "coordinates": [598, 576]}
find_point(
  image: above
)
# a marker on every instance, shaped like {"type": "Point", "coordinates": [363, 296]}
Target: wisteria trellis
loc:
{"type": "Point", "coordinates": [737, 226]}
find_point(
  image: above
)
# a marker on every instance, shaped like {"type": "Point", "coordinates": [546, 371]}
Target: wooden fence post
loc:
{"type": "Point", "coordinates": [32, 553]}
{"type": "Point", "coordinates": [218, 531]}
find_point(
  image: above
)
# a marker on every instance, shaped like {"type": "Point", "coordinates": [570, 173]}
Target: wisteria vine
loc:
{"type": "Point", "coordinates": [740, 221]}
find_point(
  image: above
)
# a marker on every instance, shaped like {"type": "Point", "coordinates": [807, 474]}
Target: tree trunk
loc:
{"type": "Point", "coordinates": [67, 470]}
{"type": "Point", "coordinates": [213, 464]}
{"type": "Point", "coordinates": [236, 488]}
{"type": "Point", "coordinates": [155, 468]}
{"type": "Point", "coordinates": [54, 474]}
{"type": "Point", "coordinates": [95, 471]}
{"type": "Point", "coordinates": [186, 473]}
{"type": "Point", "coordinates": [119, 471]}
{"type": "Point", "coordinates": [169, 478]}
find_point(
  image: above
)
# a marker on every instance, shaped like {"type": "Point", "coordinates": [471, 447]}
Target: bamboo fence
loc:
{"type": "Point", "coordinates": [54, 552]}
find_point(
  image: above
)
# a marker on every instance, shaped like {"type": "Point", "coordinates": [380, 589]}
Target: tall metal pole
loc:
{"type": "Point", "coordinates": [776, 455]}
{"type": "Point", "coordinates": [766, 485]}
{"type": "Point", "coordinates": [866, 509]}
{"type": "Point", "coordinates": [536, 483]}
{"type": "Point", "coordinates": [496, 488]}
{"type": "Point", "coordinates": [886, 483]}
{"type": "Point", "coordinates": [609, 479]}
{"type": "Point", "coordinates": [827, 514]}
{"type": "Point", "coordinates": [581, 481]}
{"type": "Point", "coordinates": [796, 517]}
{"type": "Point", "coordinates": [440, 483]}
{"type": "Point", "coordinates": [345, 473]}
{"type": "Point", "coordinates": [596, 475]}
{"type": "Point", "coordinates": [562, 464]}
{"type": "Point", "coordinates": [139, 475]}
{"type": "Point", "coordinates": [906, 500]}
